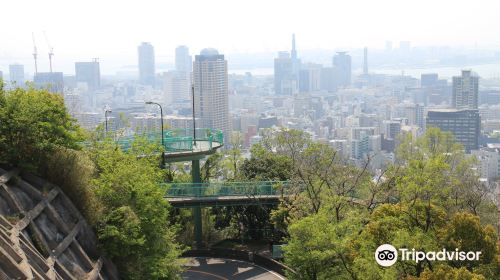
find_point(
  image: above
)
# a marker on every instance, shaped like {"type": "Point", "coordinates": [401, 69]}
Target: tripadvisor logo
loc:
{"type": "Point", "coordinates": [387, 255]}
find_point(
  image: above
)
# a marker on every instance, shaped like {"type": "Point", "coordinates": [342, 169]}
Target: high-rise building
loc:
{"type": "Point", "coordinates": [295, 61]}
{"type": "Point", "coordinates": [287, 71]}
{"type": "Point", "coordinates": [342, 64]}
{"type": "Point", "coordinates": [327, 79]}
{"type": "Point", "coordinates": [183, 61]}
{"type": "Point", "coordinates": [89, 73]}
{"type": "Point", "coordinates": [415, 115]}
{"type": "Point", "coordinates": [211, 100]}
{"type": "Point", "coordinates": [365, 61]}
{"type": "Point", "coordinates": [16, 74]}
{"type": "Point", "coordinates": [464, 124]}
{"type": "Point", "coordinates": [310, 77]}
{"type": "Point", "coordinates": [146, 64]}
{"type": "Point", "coordinates": [465, 91]}
{"type": "Point", "coordinates": [284, 80]}
{"type": "Point", "coordinates": [177, 86]}
{"type": "Point", "coordinates": [52, 81]}
{"type": "Point", "coordinates": [429, 80]}
{"type": "Point", "coordinates": [391, 128]}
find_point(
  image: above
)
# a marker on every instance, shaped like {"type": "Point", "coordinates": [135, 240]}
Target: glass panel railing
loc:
{"type": "Point", "coordinates": [176, 140]}
{"type": "Point", "coordinates": [225, 189]}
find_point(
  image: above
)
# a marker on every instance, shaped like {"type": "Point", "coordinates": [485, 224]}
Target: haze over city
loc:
{"type": "Point", "coordinates": [262, 140]}
{"type": "Point", "coordinates": [110, 30]}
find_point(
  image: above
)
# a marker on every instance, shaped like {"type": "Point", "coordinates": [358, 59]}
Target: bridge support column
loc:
{"type": "Point", "coordinates": [196, 177]}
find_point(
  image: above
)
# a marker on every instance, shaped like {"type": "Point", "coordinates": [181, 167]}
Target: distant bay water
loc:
{"type": "Point", "coordinates": [485, 71]}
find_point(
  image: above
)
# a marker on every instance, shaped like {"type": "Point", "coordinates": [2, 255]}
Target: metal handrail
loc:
{"type": "Point", "coordinates": [176, 140]}
{"type": "Point", "coordinates": [225, 189]}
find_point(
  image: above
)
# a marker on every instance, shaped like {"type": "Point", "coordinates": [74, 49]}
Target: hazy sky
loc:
{"type": "Point", "coordinates": [111, 30]}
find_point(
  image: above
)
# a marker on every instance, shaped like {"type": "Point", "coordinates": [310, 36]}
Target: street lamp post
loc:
{"type": "Point", "coordinates": [106, 111]}
{"type": "Point", "coordinates": [162, 136]}
{"type": "Point", "coordinates": [161, 115]}
{"type": "Point", "coordinates": [194, 117]}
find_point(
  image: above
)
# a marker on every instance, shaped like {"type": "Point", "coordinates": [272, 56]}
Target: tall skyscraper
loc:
{"type": "Point", "coordinates": [365, 61]}
{"type": "Point", "coordinates": [89, 73]}
{"type": "Point", "coordinates": [284, 82]}
{"type": "Point", "coordinates": [146, 64]}
{"type": "Point", "coordinates": [16, 74]}
{"type": "Point", "coordinates": [465, 91]}
{"type": "Point", "coordinates": [295, 61]}
{"type": "Point", "coordinates": [287, 71]}
{"type": "Point", "coordinates": [294, 50]}
{"type": "Point", "coordinates": [211, 90]}
{"type": "Point", "coordinates": [464, 124]}
{"type": "Point", "coordinates": [183, 61]}
{"type": "Point", "coordinates": [342, 64]}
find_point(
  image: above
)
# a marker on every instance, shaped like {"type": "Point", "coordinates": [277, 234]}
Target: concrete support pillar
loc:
{"type": "Point", "coordinates": [196, 177]}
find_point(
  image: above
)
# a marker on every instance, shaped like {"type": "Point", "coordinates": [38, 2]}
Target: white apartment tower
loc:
{"type": "Point", "coordinates": [465, 91]}
{"type": "Point", "coordinates": [211, 91]}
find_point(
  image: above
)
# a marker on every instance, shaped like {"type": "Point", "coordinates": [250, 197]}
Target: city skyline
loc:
{"type": "Point", "coordinates": [316, 27]}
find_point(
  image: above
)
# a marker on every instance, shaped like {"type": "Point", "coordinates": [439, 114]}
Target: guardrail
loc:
{"type": "Point", "coordinates": [177, 140]}
{"type": "Point", "coordinates": [183, 139]}
{"type": "Point", "coordinates": [250, 188]}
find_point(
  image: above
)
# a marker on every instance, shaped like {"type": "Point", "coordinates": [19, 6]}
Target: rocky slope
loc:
{"type": "Point", "coordinates": [42, 234]}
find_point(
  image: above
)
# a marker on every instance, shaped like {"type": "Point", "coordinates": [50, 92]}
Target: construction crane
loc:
{"type": "Point", "coordinates": [35, 54]}
{"type": "Point", "coordinates": [51, 51]}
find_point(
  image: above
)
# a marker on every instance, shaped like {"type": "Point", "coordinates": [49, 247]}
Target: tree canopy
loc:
{"type": "Point", "coordinates": [33, 123]}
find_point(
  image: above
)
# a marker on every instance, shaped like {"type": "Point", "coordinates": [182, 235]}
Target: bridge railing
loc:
{"type": "Point", "coordinates": [177, 140]}
{"type": "Point", "coordinates": [226, 189]}
{"type": "Point", "coordinates": [183, 139]}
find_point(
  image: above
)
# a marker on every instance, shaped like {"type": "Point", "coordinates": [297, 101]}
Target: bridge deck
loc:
{"type": "Point", "coordinates": [182, 195]}
{"type": "Point", "coordinates": [186, 202]}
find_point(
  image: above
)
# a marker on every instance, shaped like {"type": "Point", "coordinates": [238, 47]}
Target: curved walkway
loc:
{"type": "Point", "coordinates": [225, 269]}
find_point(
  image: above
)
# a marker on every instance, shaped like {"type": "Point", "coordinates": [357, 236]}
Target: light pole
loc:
{"type": "Point", "coordinates": [194, 117]}
{"type": "Point", "coordinates": [162, 140]}
{"type": "Point", "coordinates": [106, 111]}
{"type": "Point", "coordinates": [161, 115]}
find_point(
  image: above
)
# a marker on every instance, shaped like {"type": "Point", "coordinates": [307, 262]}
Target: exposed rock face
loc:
{"type": "Point", "coordinates": [42, 234]}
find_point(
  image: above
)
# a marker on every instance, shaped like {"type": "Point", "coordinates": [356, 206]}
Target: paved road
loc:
{"type": "Point", "coordinates": [224, 269]}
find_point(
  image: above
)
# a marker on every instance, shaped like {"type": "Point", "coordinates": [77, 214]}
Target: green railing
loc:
{"type": "Point", "coordinates": [183, 139]}
{"type": "Point", "coordinates": [178, 140]}
{"type": "Point", "coordinates": [226, 189]}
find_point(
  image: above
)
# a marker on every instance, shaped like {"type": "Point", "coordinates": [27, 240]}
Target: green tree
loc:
{"type": "Point", "coordinates": [134, 229]}
{"type": "Point", "coordinates": [466, 233]}
{"type": "Point", "coordinates": [320, 247]}
{"type": "Point", "coordinates": [34, 123]}
{"type": "Point", "coordinates": [265, 165]}
{"type": "Point", "coordinates": [449, 273]}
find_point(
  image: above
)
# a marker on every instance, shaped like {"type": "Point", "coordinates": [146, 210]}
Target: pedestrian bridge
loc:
{"type": "Point", "coordinates": [227, 193]}
{"type": "Point", "coordinates": [182, 195]}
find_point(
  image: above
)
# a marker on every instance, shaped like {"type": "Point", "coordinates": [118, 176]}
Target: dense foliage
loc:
{"type": "Point", "coordinates": [133, 227]}
{"type": "Point", "coordinates": [34, 123]}
{"type": "Point", "coordinates": [429, 200]}
{"type": "Point", "coordinates": [118, 192]}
